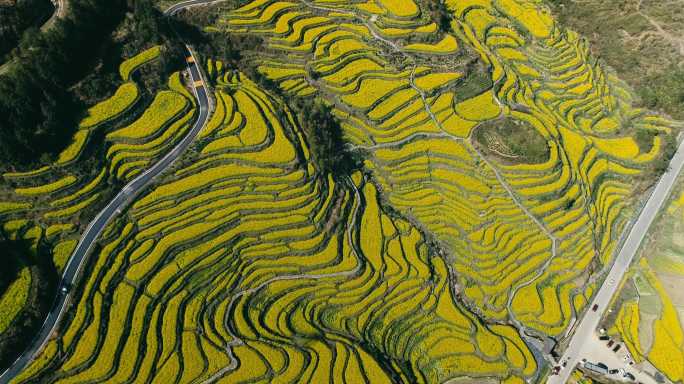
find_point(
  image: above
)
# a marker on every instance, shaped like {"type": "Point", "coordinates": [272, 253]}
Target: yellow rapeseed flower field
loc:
{"type": "Point", "coordinates": [11, 206]}
{"type": "Point", "coordinates": [166, 106]}
{"type": "Point", "coordinates": [404, 8]}
{"type": "Point", "coordinates": [74, 149]}
{"type": "Point", "coordinates": [47, 188]}
{"type": "Point", "coordinates": [130, 65]}
{"type": "Point", "coordinates": [124, 98]}
{"type": "Point", "coordinates": [14, 298]}
{"type": "Point", "coordinates": [62, 251]}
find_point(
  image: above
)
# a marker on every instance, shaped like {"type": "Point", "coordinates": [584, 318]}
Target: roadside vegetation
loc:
{"type": "Point", "coordinates": [584, 376]}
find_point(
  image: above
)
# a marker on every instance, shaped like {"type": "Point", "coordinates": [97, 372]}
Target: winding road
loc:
{"type": "Point", "coordinates": [115, 206]}
{"type": "Point", "coordinates": [587, 326]}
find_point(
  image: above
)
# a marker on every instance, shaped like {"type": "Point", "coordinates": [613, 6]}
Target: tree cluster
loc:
{"type": "Point", "coordinates": [61, 71]}
{"type": "Point", "coordinates": [15, 19]}
{"type": "Point", "coordinates": [226, 48]}
{"type": "Point", "coordinates": [440, 14]}
{"type": "Point", "coordinates": [326, 142]}
{"type": "Point", "coordinates": [37, 111]}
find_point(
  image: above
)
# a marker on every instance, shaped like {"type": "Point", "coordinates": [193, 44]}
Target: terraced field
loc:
{"type": "Point", "coordinates": [521, 235]}
{"type": "Point", "coordinates": [51, 205]}
{"type": "Point", "coordinates": [250, 265]}
{"type": "Point", "coordinates": [451, 255]}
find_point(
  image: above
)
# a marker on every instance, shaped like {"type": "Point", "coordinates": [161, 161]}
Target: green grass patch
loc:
{"type": "Point", "coordinates": [642, 286]}
{"type": "Point", "coordinates": [512, 141]}
{"type": "Point", "coordinates": [650, 304]}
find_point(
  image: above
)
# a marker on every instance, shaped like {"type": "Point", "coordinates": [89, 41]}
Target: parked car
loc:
{"type": "Point", "coordinates": [604, 337]}
{"type": "Point", "coordinates": [629, 376]}
{"type": "Point", "coordinates": [600, 364]}
{"type": "Point", "coordinates": [617, 347]}
{"type": "Point", "coordinates": [610, 343]}
{"type": "Point", "coordinates": [613, 371]}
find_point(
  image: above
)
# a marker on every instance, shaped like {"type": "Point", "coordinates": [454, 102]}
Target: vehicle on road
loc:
{"type": "Point", "coordinates": [594, 308]}
{"type": "Point", "coordinates": [599, 368]}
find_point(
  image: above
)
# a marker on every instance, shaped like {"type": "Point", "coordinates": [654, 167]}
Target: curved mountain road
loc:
{"type": "Point", "coordinates": [588, 324]}
{"type": "Point", "coordinates": [116, 205]}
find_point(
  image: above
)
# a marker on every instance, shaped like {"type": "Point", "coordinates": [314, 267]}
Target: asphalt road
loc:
{"type": "Point", "coordinates": [120, 202]}
{"type": "Point", "coordinates": [590, 321]}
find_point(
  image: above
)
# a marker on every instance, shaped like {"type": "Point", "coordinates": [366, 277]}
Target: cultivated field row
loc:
{"type": "Point", "coordinates": [249, 265]}
{"type": "Point", "coordinates": [121, 136]}
{"type": "Point", "coordinates": [522, 235]}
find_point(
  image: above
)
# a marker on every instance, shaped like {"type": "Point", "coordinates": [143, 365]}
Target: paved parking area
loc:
{"type": "Point", "coordinates": [597, 350]}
